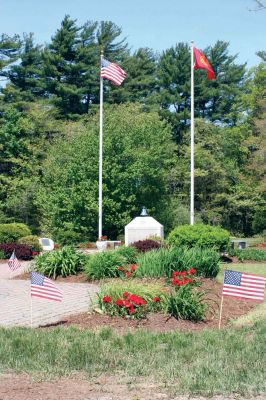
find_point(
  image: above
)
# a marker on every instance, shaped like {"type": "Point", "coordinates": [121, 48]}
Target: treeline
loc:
{"type": "Point", "coordinates": [49, 135]}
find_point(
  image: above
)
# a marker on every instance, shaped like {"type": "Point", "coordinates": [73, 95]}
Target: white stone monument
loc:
{"type": "Point", "coordinates": [142, 227]}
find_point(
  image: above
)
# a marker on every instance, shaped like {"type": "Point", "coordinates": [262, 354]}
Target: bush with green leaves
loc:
{"type": "Point", "coordinates": [2, 254]}
{"type": "Point", "coordinates": [63, 262]}
{"type": "Point", "coordinates": [104, 264]}
{"type": "Point", "coordinates": [187, 303]}
{"type": "Point", "coordinates": [163, 262]}
{"type": "Point", "coordinates": [129, 253]}
{"type": "Point", "coordinates": [199, 235]}
{"type": "Point", "coordinates": [10, 233]}
{"type": "Point", "coordinates": [32, 241]}
{"type": "Point", "coordinates": [248, 254]}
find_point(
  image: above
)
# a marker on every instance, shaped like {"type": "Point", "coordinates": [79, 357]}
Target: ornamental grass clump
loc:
{"type": "Point", "coordinates": [163, 262]}
{"type": "Point", "coordinates": [62, 262]}
{"type": "Point", "coordinates": [184, 302]}
{"type": "Point", "coordinates": [129, 253]}
{"type": "Point", "coordinates": [104, 265]}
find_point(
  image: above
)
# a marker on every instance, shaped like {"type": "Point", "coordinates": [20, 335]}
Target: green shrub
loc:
{"type": "Point", "coordinates": [104, 264]}
{"type": "Point", "coordinates": [199, 236]}
{"type": "Point", "coordinates": [10, 233]}
{"type": "Point", "coordinates": [248, 254]}
{"type": "Point", "coordinates": [32, 241]}
{"type": "Point", "coordinates": [63, 262]}
{"type": "Point", "coordinates": [187, 303]}
{"type": "Point", "coordinates": [129, 253]}
{"type": "Point", "coordinates": [163, 262]}
{"type": "Point", "coordinates": [2, 254]}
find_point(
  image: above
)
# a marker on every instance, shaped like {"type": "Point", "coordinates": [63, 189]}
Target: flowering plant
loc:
{"type": "Point", "coordinates": [129, 304]}
{"type": "Point", "coordinates": [128, 270]}
{"type": "Point", "coordinates": [180, 278]}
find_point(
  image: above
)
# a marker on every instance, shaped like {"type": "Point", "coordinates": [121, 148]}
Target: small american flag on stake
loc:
{"type": "Point", "coordinates": [246, 286]}
{"type": "Point", "coordinates": [13, 262]}
{"type": "Point", "coordinates": [44, 287]}
{"type": "Point", "coordinates": [112, 72]}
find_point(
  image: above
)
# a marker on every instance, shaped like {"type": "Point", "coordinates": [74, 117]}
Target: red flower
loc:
{"type": "Point", "coordinates": [119, 302]}
{"type": "Point", "coordinates": [139, 301]}
{"type": "Point", "coordinates": [127, 304]}
{"type": "Point", "coordinates": [34, 253]}
{"type": "Point", "coordinates": [125, 294]}
{"type": "Point", "coordinates": [133, 267]}
{"type": "Point", "coordinates": [131, 310]}
{"type": "Point", "coordinates": [176, 281]}
{"type": "Point", "coordinates": [183, 273]}
{"type": "Point", "coordinates": [174, 274]}
{"type": "Point", "coordinates": [155, 299]}
{"type": "Point", "coordinates": [107, 299]}
{"type": "Point", "coordinates": [192, 271]}
{"type": "Point", "coordinates": [120, 268]}
{"type": "Point", "coordinates": [128, 273]}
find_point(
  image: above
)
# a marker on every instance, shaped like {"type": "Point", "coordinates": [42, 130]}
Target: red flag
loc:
{"type": "Point", "coordinates": [202, 62]}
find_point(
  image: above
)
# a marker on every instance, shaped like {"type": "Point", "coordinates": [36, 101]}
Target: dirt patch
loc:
{"type": "Point", "coordinates": [24, 387]}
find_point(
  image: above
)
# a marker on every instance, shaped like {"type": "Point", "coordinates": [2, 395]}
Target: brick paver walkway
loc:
{"type": "Point", "coordinates": [15, 301]}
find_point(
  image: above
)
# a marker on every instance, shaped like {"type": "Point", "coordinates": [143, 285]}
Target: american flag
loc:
{"type": "Point", "coordinates": [112, 72]}
{"type": "Point", "coordinates": [246, 286]}
{"type": "Point", "coordinates": [44, 287]}
{"type": "Point", "coordinates": [13, 262]}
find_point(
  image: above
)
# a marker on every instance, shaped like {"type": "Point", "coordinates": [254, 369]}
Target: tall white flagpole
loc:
{"type": "Point", "coordinates": [101, 156]}
{"type": "Point", "coordinates": [192, 139]}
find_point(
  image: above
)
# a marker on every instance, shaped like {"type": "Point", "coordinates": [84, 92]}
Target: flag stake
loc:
{"type": "Point", "coordinates": [221, 308]}
{"type": "Point", "coordinates": [192, 138]}
{"type": "Point", "coordinates": [30, 311]}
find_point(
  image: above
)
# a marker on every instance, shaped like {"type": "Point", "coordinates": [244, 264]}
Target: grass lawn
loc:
{"type": "Point", "coordinates": [206, 362]}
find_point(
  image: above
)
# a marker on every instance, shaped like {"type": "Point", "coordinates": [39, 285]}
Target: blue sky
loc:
{"type": "Point", "coordinates": [148, 23]}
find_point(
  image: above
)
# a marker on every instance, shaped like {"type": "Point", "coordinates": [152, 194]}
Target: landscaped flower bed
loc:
{"type": "Point", "coordinates": [135, 300]}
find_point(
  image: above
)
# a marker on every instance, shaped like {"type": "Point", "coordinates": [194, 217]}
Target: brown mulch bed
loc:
{"type": "Point", "coordinates": [156, 322]}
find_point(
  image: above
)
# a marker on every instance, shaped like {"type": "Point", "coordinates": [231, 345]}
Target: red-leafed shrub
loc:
{"type": "Point", "coordinates": [146, 245]}
{"type": "Point", "coordinates": [23, 251]}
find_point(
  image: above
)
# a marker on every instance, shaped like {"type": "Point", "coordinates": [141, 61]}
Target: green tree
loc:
{"type": "Point", "coordinates": [140, 84]}
{"type": "Point", "coordinates": [137, 155]}
{"type": "Point", "coordinates": [214, 100]}
{"type": "Point", "coordinates": [71, 63]}
{"type": "Point", "coordinates": [24, 79]}
{"type": "Point", "coordinates": [10, 47]}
